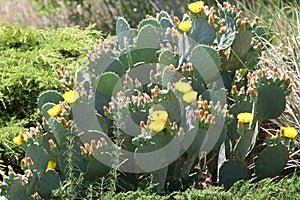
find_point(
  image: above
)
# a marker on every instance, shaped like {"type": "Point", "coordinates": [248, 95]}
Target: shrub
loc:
{"type": "Point", "coordinates": [28, 60]}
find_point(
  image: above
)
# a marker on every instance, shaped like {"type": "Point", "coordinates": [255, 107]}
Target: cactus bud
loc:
{"type": "Point", "coordinates": [223, 30]}
{"type": "Point", "coordinates": [234, 89]}
{"type": "Point", "coordinates": [83, 150]}
{"type": "Point", "coordinates": [152, 75]}
{"type": "Point", "coordinates": [103, 142]}
{"type": "Point", "coordinates": [181, 132]}
{"type": "Point", "coordinates": [222, 22]}
{"type": "Point", "coordinates": [176, 21]}
{"type": "Point", "coordinates": [10, 170]}
{"type": "Point", "coordinates": [52, 144]}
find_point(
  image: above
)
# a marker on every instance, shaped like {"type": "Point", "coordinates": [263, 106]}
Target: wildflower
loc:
{"type": "Point", "coordinates": [158, 120]}
{"type": "Point", "coordinates": [190, 96]}
{"type": "Point", "coordinates": [71, 96]}
{"type": "Point", "coordinates": [289, 132]}
{"type": "Point", "coordinates": [196, 7]}
{"type": "Point", "coordinates": [183, 87]}
{"type": "Point", "coordinates": [51, 164]}
{"type": "Point", "coordinates": [245, 117]}
{"type": "Point", "coordinates": [54, 111]}
{"type": "Point", "coordinates": [185, 26]}
{"type": "Point", "coordinates": [20, 138]}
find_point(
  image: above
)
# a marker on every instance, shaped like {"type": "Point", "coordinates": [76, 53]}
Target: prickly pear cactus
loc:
{"type": "Point", "coordinates": [160, 99]}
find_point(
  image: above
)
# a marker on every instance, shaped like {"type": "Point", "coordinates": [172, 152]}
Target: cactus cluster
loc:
{"type": "Point", "coordinates": [163, 96]}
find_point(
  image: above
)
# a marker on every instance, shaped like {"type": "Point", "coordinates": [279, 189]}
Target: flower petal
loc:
{"type": "Point", "coordinates": [190, 96]}
{"type": "Point", "coordinates": [245, 117]}
{"type": "Point", "coordinates": [71, 96]}
{"type": "Point", "coordinates": [196, 7]}
{"type": "Point", "coordinates": [159, 114]}
{"type": "Point", "coordinates": [157, 125]}
{"type": "Point", "coordinates": [289, 132]}
{"type": "Point", "coordinates": [185, 26]}
{"type": "Point", "coordinates": [54, 111]}
{"type": "Point", "coordinates": [183, 87]}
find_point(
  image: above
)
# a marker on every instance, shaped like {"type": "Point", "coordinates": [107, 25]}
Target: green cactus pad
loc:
{"type": "Point", "coordinates": [17, 191]}
{"type": "Point", "coordinates": [78, 160]}
{"type": "Point", "coordinates": [109, 83]}
{"type": "Point", "coordinates": [197, 142]}
{"type": "Point", "coordinates": [173, 107]}
{"type": "Point", "coordinates": [148, 161]}
{"type": "Point", "coordinates": [137, 55]}
{"type": "Point", "coordinates": [232, 171]}
{"type": "Point", "coordinates": [167, 58]}
{"type": "Point", "coordinates": [96, 169]}
{"type": "Point", "coordinates": [45, 109]}
{"type": "Point", "coordinates": [59, 131]}
{"type": "Point", "coordinates": [169, 76]}
{"type": "Point", "coordinates": [206, 62]}
{"type": "Point", "coordinates": [202, 32]}
{"type": "Point", "coordinates": [49, 96]}
{"type": "Point", "coordinates": [48, 181]}
{"type": "Point", "coordinates": [33, 185]}
{"type": "Point", "coordinates": [105, 63]}
{"type": "Point", "coordinates": [242, 43]}
{"type": "Point", "coordinates": [235, 109]}
{"type": "Point", "coordinates": [149, 37]}
{"type": "Point", "coordinates": [123, 33]}
{"type": "Point", "coordinates": [149, 22]}
{"type": "Point", "coordinates": [166, 23]}
{"type": "Point", "coordinates": [226, 40]}
{"type": "Point", "coordinates": [270, 102]}
{"type": "Point", "coordinates": [103, 123]}
{"type": "Point", "coordinates": [39, 156]}
{"type": "Point", "coordinates": [271, 161]}
{"type": "Point", "coordinates": [244, 144]}
{"type": "Point", "coordinates": [163, 14]}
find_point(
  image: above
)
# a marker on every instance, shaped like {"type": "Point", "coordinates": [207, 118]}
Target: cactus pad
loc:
{"type": "Point", "coordinates": [39, 156]}
{"type": "Point", "coordinates": [226, 40]}
{"type": "Point", "coordinates": [123, 33]}
{"type": "Point", "coordinates": [149, 37]}
{"type": "Point", "coordinates": [49, 96]}
{"type": "Point", "coordinates": [48, 181]}
{"type": "Point", "coordinates": [59, 131]}
{"type": "Point", "coordinates": [109, 83]}
{"type": "Point", "coordinates": [206, 62]}
{"type": "Point", "coordinates": [270, 102]}
{"type": "Point", "coordinates": [202, 32]}
{"type": "Point", "coordinates": [271, 161]}
{"type": "Point", "coordinates": [17, 191]}
{"type": "Point", "coordinates": [232, 171]}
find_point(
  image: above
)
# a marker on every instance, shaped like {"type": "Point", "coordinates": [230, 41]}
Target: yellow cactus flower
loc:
{"type": "Point", "coordinates": [185, 26]}
{"type": "Point", "coordinates": [20, 138]}
{"type": "Point", "coordinates": [159, 114]}
{"type": "Point", "coordinates": [196, 7]}
{"type": "Point", "coordinates": [183, 87]}
{"type": "Point", "coordinates": [51, 164]}
{"type": "Point", "coordinates": [245, 117]}
{"type": "Point", "coordinates": [157, 125]}
{"type": "Point", "coordinates": [243, 72]}
{"type": "Point", "coordinates": [71, 96]}
{"type": "Point", "coordinates": [54, 111]}
{"type": "Point", "coordinates": [190, 96]}
{"type": "Point", "coordinates": [158, 120]}
{"type": "Point", "coordinates": [289, 132]}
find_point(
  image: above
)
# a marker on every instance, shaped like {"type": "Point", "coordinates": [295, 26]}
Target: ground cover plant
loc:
{"type": "Point", "coordinates": [149, 109]}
